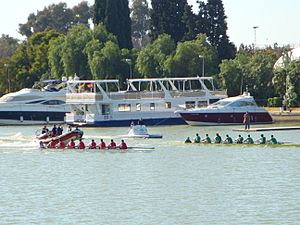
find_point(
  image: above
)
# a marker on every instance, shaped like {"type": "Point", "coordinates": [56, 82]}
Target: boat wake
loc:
{"type": "Point", "coordinates": [16, 141]}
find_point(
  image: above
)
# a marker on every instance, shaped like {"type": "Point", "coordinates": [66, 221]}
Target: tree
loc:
{"type": "Point", "coordinates": [56, 16]}
{"type": "Point", "coordinates": [140, 15]}
{"type": "Point", "coordinates": [8, 46]}
{"type": "Point", "coordinates": [55, 57]}
{"type": "Point", "coordinates": [189, 19]}
{"type": "Point", "coordinates": [115, 16]}
{"type": "Point", "coordinates": [166, 17]}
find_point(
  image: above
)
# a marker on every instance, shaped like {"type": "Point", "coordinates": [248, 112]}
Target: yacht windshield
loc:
{"type": "Point", "coordinates": [221, 103]}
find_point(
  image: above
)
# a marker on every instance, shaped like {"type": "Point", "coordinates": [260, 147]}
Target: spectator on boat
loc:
{"type": "Point", "coordinates": [228, 140]}
{"type": "Point", "coordinates": [249, 140]}
{"type": "Point", "coordinates": [246, 121]}
{"type": "Point", "coordinates": [54, 131]}
{"type": "Point", "coordinates": [112, 144]}
{"type": "Point", "coordinates": [132, 124]}
{"type": "Point", "coordinates": [273, 140]}
{"type": "Point", "coordinates": [59, 130]}
{"type": "Point", "coordinates": [239, 140]}
{"type": "Point", "coordinates": [123, 145]}
{"type": "Point", "coordinates": [93, 144]}
{"type": "Point", "coordinates": [197, 139]}
{"type": "Point", "coordinates": [141, 122]}
{"type": "Point", "coordinates": [218, 139]}
{"type": "Point", "coordinates": [77, 128]}
{"type": "Point", "coordinates": [102, 144]}
{"type": "Point", "coordinates": [81, 144]}
{"type": "Point", "coordinates": [61, 144]}
{"type": "Point", "coordinates": [45, 130]}
{"type": "Point", "coordinates": [52, 144]}
{"type": "Point", "coordinates": [71, 144]}
{"type": "Point", "coordinates": [262, 140]}
{"type": "Point", "coordinates": [188, 140]}
{"type": "Point", "coordinates": [69, 128]}
{"type": "Point", "coordinates": [207, 139]}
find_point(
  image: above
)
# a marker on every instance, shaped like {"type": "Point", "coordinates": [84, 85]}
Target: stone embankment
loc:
{"type": "Point", "coordinates": [279, 115]}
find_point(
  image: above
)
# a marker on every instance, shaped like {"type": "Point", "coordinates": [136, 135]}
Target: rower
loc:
{"type": "Point", "coordinates": [218, 139]}
{"type": "Point", "coordinates": [197, 139]}
{"type": "Point", "coordinates": [207, 139]}
{"type": "Point", "coordinates": [228, 140]}
{"type": "Point", "coordinates": [42, 144]}
{"type": "Point", "coordinates": [60, 144]}
{"type": "Point", "coordinates": [71, 144]}
{"type": "Point", "coordinates": [188, 140]}
{"type": "Point", "coordinates": [112, 144]}
{"type": "Point", "coordinates": [92, 145]}
{"type": "Point", "coordinates": [273, 140]}
{"type": "Point", "coordinates": [102, 144]}
{"type": "Point", "coordinates": [262, 140]}
{"type": "Point", "coordinates": [249, 140]}
{"type": "Point", "coordinates": [123, 145]}
{"type": "Point", "coordinates": [239, 140]}
{"type": "Point", "coordinates": [52, 143]}
{"type": "Point", "coordinates": [81, 144]}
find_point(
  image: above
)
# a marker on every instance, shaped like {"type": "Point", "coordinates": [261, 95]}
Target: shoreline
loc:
{"type": "Point", "coordinates": [292, 115]}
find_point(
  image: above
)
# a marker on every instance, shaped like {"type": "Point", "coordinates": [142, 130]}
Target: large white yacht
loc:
{"type": "Point", "coordinates": [34, 106]}
{"type": "Point", "coordinates": [102, 103]}
{"type": "Point", "coordinates": [226, 112]}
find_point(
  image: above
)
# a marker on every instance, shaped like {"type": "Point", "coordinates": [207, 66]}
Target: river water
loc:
{"type": "Point", "coordinates": [174, 184]}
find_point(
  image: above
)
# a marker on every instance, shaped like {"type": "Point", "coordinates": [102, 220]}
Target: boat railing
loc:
{"type": "Point", "coordinates": [188, 93]}
{"type": "Point", "coordinates": [219, 93]}
{"type": "Point", "coordinates": [83, 97]}
{"type": "Point", "coordinates": [137, 95]}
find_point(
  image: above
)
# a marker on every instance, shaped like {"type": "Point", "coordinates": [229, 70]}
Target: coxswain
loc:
{"type": "Point", "coordinates": [239, 140]}
{"type": "Point", "coordinates": [273, 140]}
{"type": "Point", "coordinates": [71, 144]}
{"type": "Point", "coordinates": [92, 145]}
{"type": "Point", "coordinates": [112, 144]}
{"type": "Point", "coordinates": [52, 143]}
{"type": "Point", "coordinates": [102, 144]}
{"type": "Point", "coordinates": [207, 139]}
{"type": "Point", "coordinates": [218, 139]}
{"type": "Point", "coordinates": [81, 144]}
{"type": "Point", "coordinates": [262, 140]}
{"type": "Point", "coordinates": [61, 144]}
{"type": "Point", "coordinates": [249, 140]}
{"type": "Point", "coordinates": [228, 140]}
{"type": "Point", "coordinates": [197, 139]}
{"type": "Point", "coordinates": [123, 145]}
{"type": "Point", "coordinates": [188, 140]}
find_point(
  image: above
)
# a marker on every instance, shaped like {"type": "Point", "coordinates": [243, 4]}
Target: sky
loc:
{"type": "Point", "coordinates": [277, 20]}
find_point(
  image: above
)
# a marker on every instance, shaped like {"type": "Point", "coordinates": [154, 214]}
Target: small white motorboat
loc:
{"type": "Point", "coordinates": [140, 131]}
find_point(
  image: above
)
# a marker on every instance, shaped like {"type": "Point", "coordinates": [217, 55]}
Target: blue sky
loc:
{"type": "Point", "coordinates": [277, 20]}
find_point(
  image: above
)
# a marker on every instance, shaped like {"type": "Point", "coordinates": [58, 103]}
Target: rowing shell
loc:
{"type": "Point", "coordinates": [250, 145]}
{"type": "Point", "coordinates": [131, 148]}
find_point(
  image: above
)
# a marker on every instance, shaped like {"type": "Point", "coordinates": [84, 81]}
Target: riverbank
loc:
{"type": "Point", "coordinates": [291, 115]}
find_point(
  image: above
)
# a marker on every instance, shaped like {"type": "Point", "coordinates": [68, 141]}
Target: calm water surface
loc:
{"type": "Point", "coordinates": [174, 184]}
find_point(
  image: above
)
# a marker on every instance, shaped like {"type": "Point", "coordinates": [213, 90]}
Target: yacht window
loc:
{"type": "Point", "coordinates": [35, 102]}
{"type": "Point", "coordinates": [152, 106]}
{"type": "Point", "coordinates": [124, 107]}
{"type": "Point", "coordinates": [190, 105]}
{"type": "Point", "coordinates": [221, 103]}
{"type": "Point", "coordinates": [202, 104]}
{"type": "Point", "coordinates": [53, 102]}
{"type": "Point", "coordinates": [138, 107]}
{"type": "Point", "coordinates": [168, 105]}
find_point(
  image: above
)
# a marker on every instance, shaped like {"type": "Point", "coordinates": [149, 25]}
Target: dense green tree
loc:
{"type": "Point", "coordinates": [55, 57]}
{"type": "Point", "coordinates": [8, 46]}
{"type": "Point", "coordinates": [56, 16]}
{"type": "Point", "coordinates": [140, 16]}
{"type": "Point", "coordinates": [116, 18]}
{"type": "Point", "coordinates": [166, 18]}
{"type": "Point", "coordinates": [189, 19]}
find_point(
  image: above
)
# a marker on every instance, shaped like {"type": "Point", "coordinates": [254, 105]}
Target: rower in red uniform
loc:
{"type": "Point", "coordinates": [112, 144]}
{"type": "Point", "coordinates": [71, 144]}
{"type": "Point", "coordinates": [123, 145]}
{"type": "Point", "coordinates": [61, 144]}
{"type": "Point", "coordinates": [52, 143]}
{"type": "Point", "coordinates": [92, 145]}
{"type": "Point", "coordinates": [81, 144]}
{"type": "Point", "coordinates": [102, 144]}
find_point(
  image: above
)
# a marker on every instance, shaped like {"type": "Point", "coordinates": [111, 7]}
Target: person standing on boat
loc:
{"type": "Point", "coordinates": [81, 144]}
{"type": "Point", "coordinates": [247, 121]}
{"type": "Point", "coordinates": [45, 130]}
{"type": "Point", "coordinates": [218, 139]}
{"type": "Point", "coordinates": [239, 140]}
{"type": "Point", "coordinates": [197, 139]}
{"type": "Point", "coordinates": [59, 130]}
{"type": "Point", "coordinates": [71, 144]}
{"type": "Point", "coordinates": [249, 140]}
{"type": "Point", "coordinates": [112, 144]}
{"type": "Point", "coordinates": [102, 144]}
{"type": "Point", "coordinates": [228, 140]}
{"type": "Point", "coordinates": [54, 131]}
{"type": "Point", "coordinates": [123, 145]}
{"type": "Point", "coordinates": [207, 139]}
{"type": "Point", "coordinates": [273, 140]}
{"type": "Point", "coordinates": [92, 145]}
{"type": "Point", "coordinates": [262, 140]}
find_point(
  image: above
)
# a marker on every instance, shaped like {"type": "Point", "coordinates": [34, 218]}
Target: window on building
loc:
{"type": "Point", "coordinates": [124, 107]}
